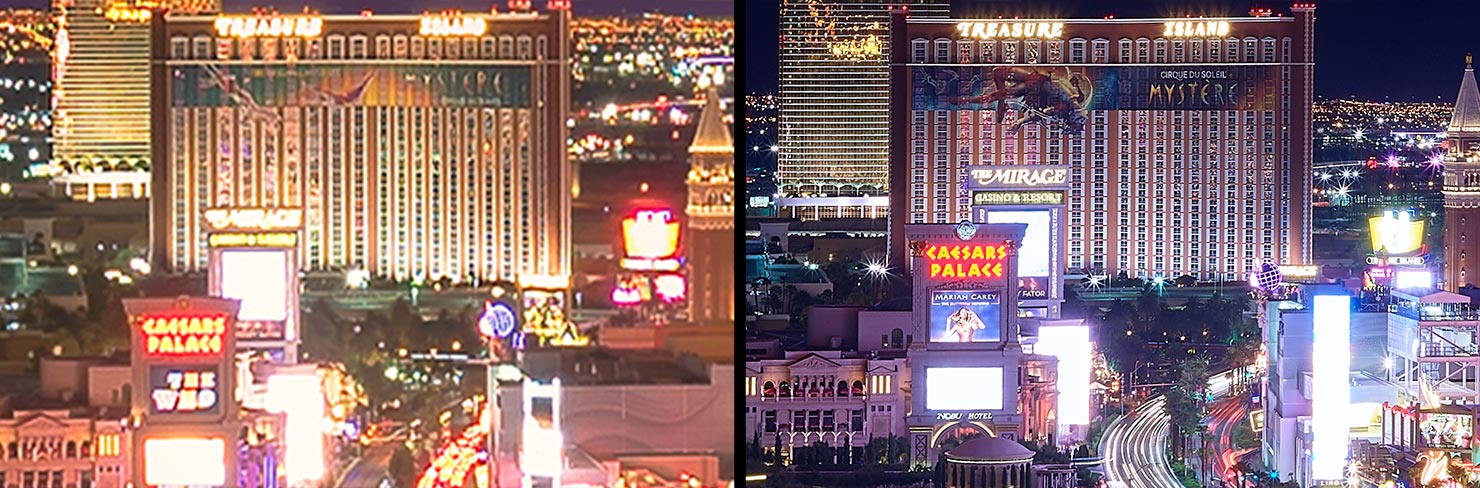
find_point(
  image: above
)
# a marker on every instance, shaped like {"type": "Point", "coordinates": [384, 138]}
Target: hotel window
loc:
{"type": "Point", "coordinates": [1076, 50]}
{"type": "Point", "coordinates": [382, 47]}
{"type": "Point", "coordinates": [418, 48]}
{"type": "Point", "coordinates": [1055, 52]}
{"type": "Point", "coordinates": [454, 49]}
{"type": "Point", "coordinates": [541, 47]}
{"type": "Point", "coordinates": [179, 46]}
{"type": "Point", "coordinates": [942, 51]}
{"type": "Point", "coordinates": [770, 417]}
{"type": "Point", "coordinates": [1213, 50]}
{"type": "Point", "coordinates": [963, 51]}
{"type": "Point", "coordinates": [1102, 51]}
{"type": "Point", "coordinates": [1285, 55]}
{"type": "Point", "coordinates": [247, 49]}
{"type": "Point", "coordinates": [336, 47]}
{"type": "Point", "coordinates": [1031, 51]}
{"type": "Point", "coordinates": [1231, 53]}
{"type": "Point", "coordinates": [486, 50]}
{"type": "Point", "coordinates": [1268, 53]}
{"type": "Point", "coordinates": [506, 47]}
{"type": "Point", "coordinates": [1178, 51]}
{"type": "Point", "coordinates": [920, 46]}
{"type": "Point", "coordinates": [1009, 52]}
{"type": "Point", "coordinates": [989, 51]}
{"type": "Point", "coordinates": [400, 49]}
{"type": "Point", "coordinates": [434, 48]}
{"type": "Point", "coordinates": [1250, 45]}
{"type": "Point", "coordinates": [359, 47]}
{"type": "Point", "coordinates": [1195, 49]}
{"type": "Point", "coordinates": [525, 49]}
{"type": "Point", "coordinates": [1161, 50]}
{"type": "Point", "coordinates": [1143, 50]}
{"type": "Point", "coordinates": [1125, 51]}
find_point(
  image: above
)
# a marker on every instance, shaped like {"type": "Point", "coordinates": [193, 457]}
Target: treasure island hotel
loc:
{"type": "Point", "coordinates": [416, 146]}
{"type": "Point", "coordinates": [1186, 140]}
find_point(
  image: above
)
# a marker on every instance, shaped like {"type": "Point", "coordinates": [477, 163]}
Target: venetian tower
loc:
{"type": "Point", "coordinates": [1462, 187]}
{"type": "Point", "coordinates": [710, 244]}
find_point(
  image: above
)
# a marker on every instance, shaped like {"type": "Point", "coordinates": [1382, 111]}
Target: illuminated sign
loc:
{"type": "Point", "coordinates": [300, 395]}
{"type": "Point", "coordinates": [255, 218]}
{"type": "Point", "coordinates": [1039, 256]}
{"type": "Point", "coordinates": [1396, 232]}
{"type": "Point", "coordinates": [1011, 30]}
{"type": "Point", "coordinates": [966, 261]}
{"type": "Point", "coordinates": [266, 239]}
{"type": "Point", "coordinates": [1451, 431]}
{"type": "Point", "coordinates": [963, 415]}
{"type": "Point", "coordinates": [1196, 29]}
{"type": "Point", "coordinates": [446, 25]}
{"type": "Point", "coordinates": [670, 287]}
{"type": "Point", "coordinates": [183, 335]}
{"type": "Point", "coordinates": [640, 264]}
{"type": "Point", "coordinates": [1071, 344]}
{"type": "Point", "coordinates": [1017, 198]}
{"type": "Point", "coordinates": [1018, 177]}
{"type": "Point", "coordinates": [176, 389]}
{"type": "Point", "coordinates": [963, 388]}
{"type": "Point", "coordinates": [650, 234]}
{"type": "Point", "coordinates": [1397, 260]}
{"type": "Point", "coordinates": [1331, 364]}
{"type": "Point", "coordinates": [498, 320]}
{"type": "Point", "coordinates": [1298, 271]}
{"type": "Point", "coordinates": [544, 316]}
{"type": "Point", "coordinates": [276, 26]}
{"type": "Point", "coordinates": [190, 461]}
{"type": "Point", "coordinates": [1413, 279]}
{"type": "Point", "coordinates": [542, 440]}
{"type": "Point", "coordinates": [959, 316]}
{"type": "Point", "coordinates": [128, 14]}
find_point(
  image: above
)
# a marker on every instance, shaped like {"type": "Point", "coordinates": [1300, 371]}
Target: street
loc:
{"type": "Point", "coordinates": [373, 467]}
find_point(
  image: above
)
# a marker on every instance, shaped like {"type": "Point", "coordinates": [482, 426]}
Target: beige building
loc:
{"type": "Point", "coordinates": [73, 436]}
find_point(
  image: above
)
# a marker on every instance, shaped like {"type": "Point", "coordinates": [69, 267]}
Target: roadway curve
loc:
{"type": "Point", "coordinates": [1135, 447]}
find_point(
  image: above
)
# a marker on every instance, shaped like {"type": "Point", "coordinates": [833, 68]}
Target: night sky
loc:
{"type": "Point", "coordinates": [1368, 49]}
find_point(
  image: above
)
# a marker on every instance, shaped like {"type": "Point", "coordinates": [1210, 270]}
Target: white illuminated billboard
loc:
{"type": "Point", "coordinates": [258, 278]}
{"type": "Point", "coordinates": [1413, 279]}
{"type": "Point", "coordinates": [300, 396]}
{"type": "Point", "coordinates": [1033, 256]}
{"type": "Point", "coordinates": [963, 388]}
{"type": "Point", "coordinates": [1331, 369]}
{"type": "Point", "coordinates": [1071, 345]}
{"type": "Point", "coordinates": [185, 462]}
{"type": "Point", "coordinates": [542, 443]}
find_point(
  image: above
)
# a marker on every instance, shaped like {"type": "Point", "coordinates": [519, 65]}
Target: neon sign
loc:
{"type": "Point", "coordinates": [1196, 29]}
{"type": "Point", "coordinates": [650, 234]}
{"type": "Point", "coordinates": [1017, 198]}
{"type": "Point", "coordinates": [288, 26]}
{"type": "Point", "coordinates": [498, 320]}
{"type": "Point", "coordinates": [966, 261]}
{"type": "Point", "coordinates": [180, 335]}
{"type": "Point", "coordinates": [670, 287]}
{"type": "Point", "coordinates": [184, 390]}
{"type": "Point", "coordinates": [993, 30]}
{"type": "Point", "coordinates": [1396, 232]}
{"type": "Point", "coordinates": [983, 177]}
{"type": "Point", "coordinates": [255, 218]}
{"type": "Point", "coordinates": [446, 25]}
{"type": "Point", "coordinates": [267, 239]}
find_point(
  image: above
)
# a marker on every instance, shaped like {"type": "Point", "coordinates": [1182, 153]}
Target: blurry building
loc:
{"type": "Point", "coordinates": [71, 434]}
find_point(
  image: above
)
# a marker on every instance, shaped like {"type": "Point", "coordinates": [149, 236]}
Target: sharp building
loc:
{"type": "Point", "coordinates": [1186, 141]}
{"type": "Point", "coordinates": [416, 146]}
{"type": "Point", "coordinates": [711, 213]}
{"type": "Point", "coordinates": [102, 81]}
{"type": "Point", "coordinates": [833, 106]}
{"type": "Point", "coordinates": [1462, 187]}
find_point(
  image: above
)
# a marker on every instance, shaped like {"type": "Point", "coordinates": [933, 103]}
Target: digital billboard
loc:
{"type": "Point", "coordinates": [1443, 430]}
{"type": "Point", "coordinates": [1038, 256]}
{"type": "Point", "coordinates": [299, 395]}
{"type": "Point", "coordinates": [1331, 364]}
{"type": "Point", "coordinates": [1396, 233]}
{"type": "Point", "coordinates": [1070, 343]}
{"type": "Point", "coordinates": [184, 462]}
{"type": "Point", "coordinates": [184, 390]}
{"type": "Point", "coordinates": [338, 85]}
{"type": "Point", "coordinates": [259, 279]}
{"type": "Point", "coordinates": [1062, 96]}
{"type": "Point", "coordinates": [978, 388]}
{"type": "Point", "coordinates": [964, 316]}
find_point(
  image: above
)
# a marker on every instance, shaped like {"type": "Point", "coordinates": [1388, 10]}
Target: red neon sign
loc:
{"type": "Point", "coordinates": [966, 261]}
{"type": "Point", "coordinates": [183, 335]}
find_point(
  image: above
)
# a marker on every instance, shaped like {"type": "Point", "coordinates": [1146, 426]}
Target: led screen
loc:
{"type": "Point", "coordinates": [1446, 430]}
{"type": "Point", "coordinates": [1071, 345]}
{"type": "Point", "coordinates": [260, 280]}
{"type": "Point", "coordinates": [963, 388]}
{"type": "Point", "coordinates": [185, 462]}
{"type": "Point", "coordinates": [965, 316]}
{"type": "Point", "coordinates": [184, 390]}
{"type": "Point", "coordinates": [1331, 364]}
{"type": "Point", "coordinates": [1035, 261]}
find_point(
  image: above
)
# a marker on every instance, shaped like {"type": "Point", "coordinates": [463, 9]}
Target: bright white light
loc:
{"type": "Point", "coordinates": [1331, 364]}
{"type": "Point", "coordinates": [300, 395]}
{"type": "Point", "coordinates": [357, 279]}
{"type": "Point", "coordinates": [542, 446]}
{"type": "Point", "coordinates": [1033, 256]}
{"type": "Point", "coordinates": [1387, 362]}
{"type": "Point", "coordinates": [1413, 279]}
{"type": "Point", "coordinates": [963, 388]}
{"type": "Point", "coordinates": [1071, 344]}
{"type": "Point", "coordinates": [139, 265]}
{"type": "Point", "coordinates": [260, 280]}
{"type": "Point", "coordinates": [190, 461]}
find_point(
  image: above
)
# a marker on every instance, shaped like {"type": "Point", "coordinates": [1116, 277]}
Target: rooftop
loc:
{"type": "Point", "coordinates": [1467, 104]}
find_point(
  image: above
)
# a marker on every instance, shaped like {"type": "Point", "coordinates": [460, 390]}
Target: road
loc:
{"type": "Point", "coordinates": [1135, 447]}
{"type": "Point", "coordinates": [1224, 417]}
{"type": "Point", "coordinates": [373, 467]}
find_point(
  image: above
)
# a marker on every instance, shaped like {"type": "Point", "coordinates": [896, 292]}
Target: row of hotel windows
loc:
{"type": "Point", "coordinates": [814, 421]}
{"type": "Point", "coordinates": [357, 46]}
{"type": "Point", "coordinates": [47, 479]}
{"type": "Point", "coordinates": [1250, 50]}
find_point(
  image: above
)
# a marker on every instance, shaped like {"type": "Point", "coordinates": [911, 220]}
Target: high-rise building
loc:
{"type": "Point", "coordinates": [416, 146]}
{"type": "Point", "coordinates": [711, 212]}
{"type": "Point", "coordinates": [1187, 141]}
{"type": "Point", "coordinates": [25, 110]}
{"type": "Point", "coordinates": [833, 159]}
{"type": "Point", "coordinates": [102, 80]}
{"type": "Point", "coordinates": [1462, 187]}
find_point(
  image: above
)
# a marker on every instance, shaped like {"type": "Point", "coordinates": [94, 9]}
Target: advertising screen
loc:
{"type": "Point", "coordinates": [184, 390]}
{"type": "Point", "coordinates": [1446, 430]}
{"type": "Point", "coordinates": [185, 462]}
{"type": "Point", "coordinates": [1037, 258]}
{"type": "Point", "coordinates": [965, 316]}
{"type": "Point", "coordinates": [351, 85]}
{"type": "Point", "coordinates": [1070, 343]}
{"type": "Point", "coordinates": [1331, 364]}
{"type": "Point", "coordinates": [963, 388]}
{"type": "Point", "coordinates": [259, 280]}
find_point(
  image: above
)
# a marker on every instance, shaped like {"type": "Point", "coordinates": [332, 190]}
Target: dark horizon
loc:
{"type": "Point", "coordinates": [1365, 49]}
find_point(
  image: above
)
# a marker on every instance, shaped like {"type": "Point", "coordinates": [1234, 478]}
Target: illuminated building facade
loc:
{"type": "Point", "coordinates": [1462, 187]}
{"type": "Point", "coordinates": [102, 81]}
{"type": "Point", "coordinates": [824, 396]}
{"type": "Point", "coordinates": [1187, 142]}
{"type": "Point", "coordinates": [834, 106]}
{"type": "Point", "coordinates": [417, 147]}
{"type": "Point", "coordinates": [711, 211]}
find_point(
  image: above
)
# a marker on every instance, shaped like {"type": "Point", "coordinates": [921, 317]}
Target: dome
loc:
{"type": "Point", "coordinates": [990, 448]}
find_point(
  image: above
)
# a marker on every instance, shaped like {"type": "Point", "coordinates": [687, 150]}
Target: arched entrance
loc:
{"type": "Point", "coordinates": [947, 436]}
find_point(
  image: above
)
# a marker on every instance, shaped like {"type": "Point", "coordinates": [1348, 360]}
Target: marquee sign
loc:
{"type": "Point", "coordinates": [191, 334]}
{"type": "Point", "coordinates": [1007, 198]}
{"type": "Point", "coordinates": [255, 219]}
{"type": "Point", "coordinates": [963, 415]}
{"type": "Point", "coordinates": [966, 261]}
{"type": "Point", "coordinates": [275, 26]}
{"type": "Point", "coordinates": [453, 25]}
{"type": "Point", "coordinates": [242, 239]}
{"type": "Point", "coordinates": [1011, 30]}
{"type": "Point", "coordinates": [1196, 29]}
